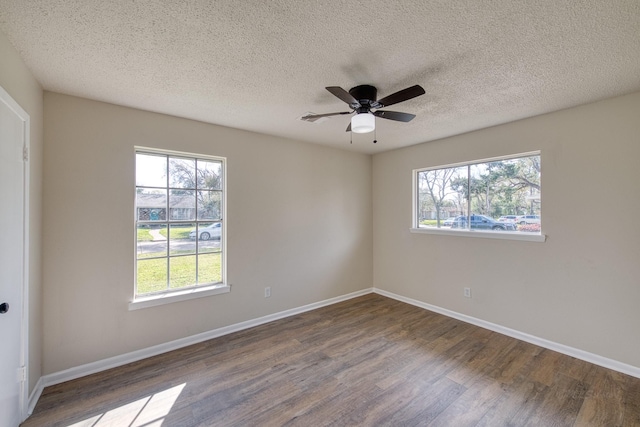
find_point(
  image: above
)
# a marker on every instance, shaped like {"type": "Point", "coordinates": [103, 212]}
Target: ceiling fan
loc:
{"type": "Point", "coordinates": [362, 100]}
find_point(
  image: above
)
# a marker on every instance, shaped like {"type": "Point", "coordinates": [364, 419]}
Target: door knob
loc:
{"type": "Point", "coordinates": [4, 307]}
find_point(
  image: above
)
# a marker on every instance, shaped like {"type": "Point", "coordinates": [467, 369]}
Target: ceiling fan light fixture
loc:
{"type": "Point", "coordinates": [363, 123]}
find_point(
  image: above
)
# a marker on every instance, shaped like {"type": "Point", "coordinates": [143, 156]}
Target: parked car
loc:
{"type": "Point", "coordinates": [481, 222]}
{"type": "Point", "coordinates": [213, 231]}
{"type": "Point", "coordinates": [508, 218]}
{"type": "Point", "coordinates": [528, 219]}
{"type": "Point", "coordinates": [448, 222]}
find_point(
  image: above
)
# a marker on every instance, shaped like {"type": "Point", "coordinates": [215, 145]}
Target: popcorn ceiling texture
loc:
{"type": "Point", "coordinates": [259, 65]}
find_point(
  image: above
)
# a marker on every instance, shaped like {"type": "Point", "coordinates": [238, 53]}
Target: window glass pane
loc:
{"type": "Point", "coordinates": [209, 204]}
{"type": "Point", "coordinates": [182, 271]}
{"type": "Point", "coordinates": [178, 219]}
{"type": "Point", "coordinates": [505, 190]}
{"type": "Point", "coordinates": [209, 237]}
{"type": "Point", "coordinates": [151, 204]}
{"type": "Point", "coordinates": [483, 179]}
{"type": "Point", "coordinates": [182, 205]}
{"type": "Point", "coordinates": [151, 241]}
{"type": "Point", "coordinates": [501, 195]}
{"type": "Point", "coordinates": [209, 175]}
{"type": "Point", "coordinates": [151, 170]}
{"type": "Point", "coordinates": [526, 178]}
{"type": "Point", "coordinates": [182, 173]}
{"type": "Point", "coordinates": [441, 196]}
{"type": "Point", "coordinates": [180, 241]}
{"type": "Point", "coordinates": [152, 275]}
{"type": "Point", "coordinates": [210, 268]}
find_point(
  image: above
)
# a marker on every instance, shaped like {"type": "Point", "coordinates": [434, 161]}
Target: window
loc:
{"type": "Point", "coordinates": [498, 195]}
{"type": "Point", "coordinates": [179, 214]}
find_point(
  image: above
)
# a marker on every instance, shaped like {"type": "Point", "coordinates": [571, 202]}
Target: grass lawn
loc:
{"type": "Point", "coordinates": [178, 232]}
{"type": "Point", "coordinates": [431, 222]}
{"type": "Point", "coordinates": [152, 273]}
{"type": "Point", "coordinates": [144, 235]}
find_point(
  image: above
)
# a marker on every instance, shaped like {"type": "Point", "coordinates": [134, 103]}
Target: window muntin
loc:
{"type": "Point", "coordinates": [179, 222]}
{"type": "Point", "coordinates": [500, 195]}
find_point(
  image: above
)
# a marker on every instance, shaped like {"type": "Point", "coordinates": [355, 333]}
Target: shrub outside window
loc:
{"type": "Point", "coordinates": [179, 221]}
{"type": "Point", "coordinates": [498, 195]}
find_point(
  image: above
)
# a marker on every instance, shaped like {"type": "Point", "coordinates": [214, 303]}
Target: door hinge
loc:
{"type": "Point", "coordinates": [22, 374]}
{"type": "Point", "coordinates": [25, 154]}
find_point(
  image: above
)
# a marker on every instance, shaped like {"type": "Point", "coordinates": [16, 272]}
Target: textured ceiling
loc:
{"type": "Point", "coordinates": [260, 65]}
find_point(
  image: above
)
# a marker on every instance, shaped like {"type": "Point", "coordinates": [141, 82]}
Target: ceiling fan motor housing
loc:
{"type": "Point", "coordinates": [366, 96]}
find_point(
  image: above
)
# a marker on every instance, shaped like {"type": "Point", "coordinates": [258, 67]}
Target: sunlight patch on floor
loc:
{"type": "Point", "coordinates": [148, 411]}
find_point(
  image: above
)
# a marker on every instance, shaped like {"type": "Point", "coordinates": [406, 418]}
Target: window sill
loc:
{"type": "Point", "coordinates": [502, 235]}
{"type": "Point", "coordinates": [169, 297]}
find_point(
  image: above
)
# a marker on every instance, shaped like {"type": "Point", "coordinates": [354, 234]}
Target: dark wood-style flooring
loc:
{"type": "Point", "coordinates": [367, 361]}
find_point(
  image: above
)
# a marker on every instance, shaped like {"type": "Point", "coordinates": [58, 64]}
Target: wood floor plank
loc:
{"type": "Point", "coordinates": [472, 405]}
{"type": "Point", "coordinates": [338, 406]}
{"type": "Point", "coordinates": [561, 403]}
{"type": "Point", "coordinates": [363, 362]}
{"type": "Point", "coordinates": [495, 346]}
{"type": "Point", "coordinates": [544, 366]}
{"type": "Point", "coordinates": [509, 365]}
{"type": "Point", "coordinates": [604, 403]}
{"type": "Point", "coordinates": [408, 403]}
{"type": "Point", "coordinates": [632, 403]}
{"type": "Point", "coordinates": [520, 399]}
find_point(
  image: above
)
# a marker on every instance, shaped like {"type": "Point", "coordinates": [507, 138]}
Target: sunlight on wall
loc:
{"type": "Point", "coordinates": [148, 411]}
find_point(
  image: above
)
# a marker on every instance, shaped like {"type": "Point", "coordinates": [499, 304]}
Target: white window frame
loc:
{"type": "Point", "coordinates": [199, 291]}
{"type": "Point", "coordinates": [502, 235]}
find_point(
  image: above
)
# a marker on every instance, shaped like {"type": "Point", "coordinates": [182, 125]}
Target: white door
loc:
{"type": "Point", "coordinates": [13, 271]}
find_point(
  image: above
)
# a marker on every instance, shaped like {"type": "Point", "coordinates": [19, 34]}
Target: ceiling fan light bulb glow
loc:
{"type": "Point", "coordinates": [363, 123]}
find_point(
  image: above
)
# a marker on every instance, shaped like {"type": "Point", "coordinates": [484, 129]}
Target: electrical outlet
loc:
{"type": "Point", "coordinates": [267, 292]}
{"type": "Point", "coordinates": [467, 292]}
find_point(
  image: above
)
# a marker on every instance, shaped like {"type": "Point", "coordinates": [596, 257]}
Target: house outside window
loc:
{"type": "Point", "coordinates": [496, 195]}
{"type": "Point", "coordinates": [179, 221]}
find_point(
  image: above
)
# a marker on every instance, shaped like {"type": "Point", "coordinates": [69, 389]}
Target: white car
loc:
{"type": "Point", "coordinates": [213, 231]}
{"type": "Point", "coordinates": [507, 218]}
{"type": "Point", "coordinates": [528, 219]}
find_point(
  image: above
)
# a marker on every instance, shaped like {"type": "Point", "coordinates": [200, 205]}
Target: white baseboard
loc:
{"type": "Point", "coordinates": [134, 356]}
{"type": "Point", "coordinates": [615, 365]}
{"type": "Point", "coordinates": [35, 395]}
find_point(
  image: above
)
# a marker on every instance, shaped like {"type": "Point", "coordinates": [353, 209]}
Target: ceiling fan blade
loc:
{"type": "Point", "coordinates": [394, 115]}
{"type": "Point", "coordinates": [400, 96]}
{"type": "Point", "coordinates": [343, 95]}
{"type": "Point", "coordinates": [314, 117]}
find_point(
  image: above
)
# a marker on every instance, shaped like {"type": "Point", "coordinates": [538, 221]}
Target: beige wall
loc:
{"type": "Point", "coordinates": [299, 220]}
{"type": "Point", "coordinates": [18, 81]}
{"type": "Point", "coordinates": [582, 287]}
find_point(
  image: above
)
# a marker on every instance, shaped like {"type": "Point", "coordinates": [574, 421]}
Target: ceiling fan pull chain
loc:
{"type": "Point", "coordinates": [375, 135]}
